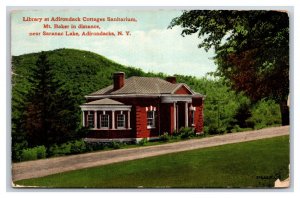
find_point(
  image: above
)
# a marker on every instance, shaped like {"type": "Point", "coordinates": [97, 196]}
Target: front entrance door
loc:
{"type": "Point", "coordinates": [180, 111]}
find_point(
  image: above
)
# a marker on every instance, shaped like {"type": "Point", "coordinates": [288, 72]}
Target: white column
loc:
{"type": "Point", "coordinates": [177, 117]}
{"type": "Point", "coordinates": [113, 120]}
{"type": "Point", "coordinates": [186, 114]}
{"type": "Point", "coordinates": [95, 120]}
{"type": "Point", "coordinates": [83, 119]}
{"type": "Point", "coordinates": [174, 115]}
{"type": "Point", "coordinates": [128, 119]}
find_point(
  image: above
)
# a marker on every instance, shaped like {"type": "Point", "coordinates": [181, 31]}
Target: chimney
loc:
{"type": "Point", "coordinates": [119, 79]}
{"type": "Point", "coordinates": [171, 79]}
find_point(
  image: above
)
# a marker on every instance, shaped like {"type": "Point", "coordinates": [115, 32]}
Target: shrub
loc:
{"type": "Point", "coordinates": [41, 152]}
{"type": "Point", "coordinates": [53, 150]}
{"type": "Point", "coordinates": [28, 154]}
{"type": "Point", "coordinates": [17, 149]}
{"type": "Point", "coordinates": [175, 133]}
{"type": "Point", "coordinates": [265, 113]}
{"type": "Point", "coordinates": [95, 146]}
{"type": "Point", "coordinates": [164, 137]}
{"type": "Point", "coordinates": [186, 132]}
{"type": "Point", "coordinates": [143, 142]}
{"type": "Point", "coordinates": [115, 145]}
{"type": "Point", "coordinates": [34, 153]}
{"type": "Point", "coordinates": [214, 130]}
{"type": "Point", "coordinates": [236, 128]}
{"type": "Point", "coordinates": [63, 149]}
{"type": "Point", "coordinates": [78, 146]}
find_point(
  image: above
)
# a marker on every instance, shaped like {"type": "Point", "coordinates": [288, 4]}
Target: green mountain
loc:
{"type": "Point", "coordinates": [81, 72]}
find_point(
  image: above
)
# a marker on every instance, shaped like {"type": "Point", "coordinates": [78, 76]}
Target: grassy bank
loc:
{"type": "Point", "coordinates": [250, 164]}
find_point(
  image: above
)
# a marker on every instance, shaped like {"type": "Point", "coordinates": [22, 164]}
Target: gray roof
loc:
{"type": "Point", "coordinates": [105, 101]}
{"type": "Point", "coordinates": [142, 85]}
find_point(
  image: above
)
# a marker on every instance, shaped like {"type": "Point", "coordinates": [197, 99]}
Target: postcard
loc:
{"type": "Point", "coordinates": [150, 98]}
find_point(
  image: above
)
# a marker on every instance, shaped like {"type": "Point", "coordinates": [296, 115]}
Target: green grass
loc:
{"type": "Point", "coordinates": [250, 164]}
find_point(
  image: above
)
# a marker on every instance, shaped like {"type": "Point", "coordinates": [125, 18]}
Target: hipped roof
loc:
{"type": "Point", "coordinates": [143, 85]}
{"type": "Point", "coordinates": [105, 101]}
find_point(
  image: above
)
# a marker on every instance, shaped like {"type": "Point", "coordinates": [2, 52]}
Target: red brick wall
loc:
{"type": "Point", "coordinates": [199, 119]}
{"type": "Point", "coordinates": [167, 120]}
{"type": "Point", "coordinates": [171, 118]}
{"type": "Point", "coordinates": [138, 119]}
{"type": "Point", "coordinates": [141, 122]}
{"type": "Point", "coordinates": [183, 90]}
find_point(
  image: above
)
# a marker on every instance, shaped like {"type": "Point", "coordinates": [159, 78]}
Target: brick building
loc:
{"type": "Point", "coordinates": [141, 107]}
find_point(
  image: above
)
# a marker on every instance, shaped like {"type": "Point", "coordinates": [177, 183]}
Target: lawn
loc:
{"type": "Point", "coordinates": [244, 165]}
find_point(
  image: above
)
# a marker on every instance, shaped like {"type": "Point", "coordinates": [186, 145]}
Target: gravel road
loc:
{"type": "Point", "coordinates": [39, 168]}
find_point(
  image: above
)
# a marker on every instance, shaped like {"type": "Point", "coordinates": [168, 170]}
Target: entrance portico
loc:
{"type": "Point", "coordinates": [182, 111]}
{"type": "Point", "coordinates": [106, 114]}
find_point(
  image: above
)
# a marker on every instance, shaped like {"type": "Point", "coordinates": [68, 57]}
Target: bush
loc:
{"type": "Point", "coordinates": [214, 130]}
{"type": "Point", "coordinates": [53, 150]}
{"type": "Point", "coordinates": [164, 137]}
{"type": "Point", "coordinates": [17, 149]}
{"type": "Point", "coordinates": [175, 133]}
{"type": "Point", "coordinates": [34, 153]}
{"type": "Point", "coordinates": [28, 154]}
{"type": "Point", "coordinates": [115, 145]}
{"type": "Point", "coordinates": [41, 152]}
{"type": "Point", "coordinates": [143, 142]}
{"type": "Point", "coordinates": [265, 113]}
{"type": "Point", "coordinates": [61, 150]}
{"type": "Point", "coordinates": [78, 146]}
{"type": "Point", "coordinates": [72, 147]}
{"type": "Point", "coordinates": [186, 132]}
{"type": "Point", "coordinates": [236, 128]}
{"type": "Point", "coordinates": [94, 146]}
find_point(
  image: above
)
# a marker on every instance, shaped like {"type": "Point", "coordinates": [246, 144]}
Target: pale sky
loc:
{"type": "Point", "coordinates": [151, 46]}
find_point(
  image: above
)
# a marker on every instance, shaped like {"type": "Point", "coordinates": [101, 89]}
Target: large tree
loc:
{"type": "Point", "coordinates": [50, 110]}
{"type": "Point", "coordinates": [251, 47]}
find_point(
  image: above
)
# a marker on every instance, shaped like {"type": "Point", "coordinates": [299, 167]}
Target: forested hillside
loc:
{"type": "Point", "coordinates": [68, 75]}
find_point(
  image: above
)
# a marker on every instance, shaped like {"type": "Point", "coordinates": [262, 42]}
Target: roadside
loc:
{"type": "Point", "coordinates": [39, 168]}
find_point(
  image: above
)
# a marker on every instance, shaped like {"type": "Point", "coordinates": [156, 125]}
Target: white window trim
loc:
{"type": "Point", "coordinates": [88, 120]}
{"type": "Point", "coordinates": [101, 121]}
{"type": "Point", "coordinates": [193, 118]}
{"type": "Point", "coordinates": [154, 121]}
{"type": "Point", "coordinates": [124, 121]}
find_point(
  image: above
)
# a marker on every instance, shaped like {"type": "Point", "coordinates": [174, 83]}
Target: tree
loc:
{"type": "Point", "coordinates": [251, 47]}
{"type": "Point", "coordinates": [41, 99]}
{"type": "Point", "coordinates": [50, 109]}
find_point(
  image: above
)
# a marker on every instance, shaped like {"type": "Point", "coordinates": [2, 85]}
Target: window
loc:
{"type": "Point", "coordinates": [91, 119]}
{"type": "Point", "coordinates": [150, 119]}
{"type": "Point", "coordinates": [120, 121]}
{"type": "Point", "coordinates": [104, 121]}
{"type": "Point", "coordinates": [192, 118]}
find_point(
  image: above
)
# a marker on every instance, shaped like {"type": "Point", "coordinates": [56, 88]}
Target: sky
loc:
{"type": "Point", "coordinates": [151, 46]}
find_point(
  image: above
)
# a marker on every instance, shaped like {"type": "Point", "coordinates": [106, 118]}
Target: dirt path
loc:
{"type": "Point", "coordinates": [39, 168]}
